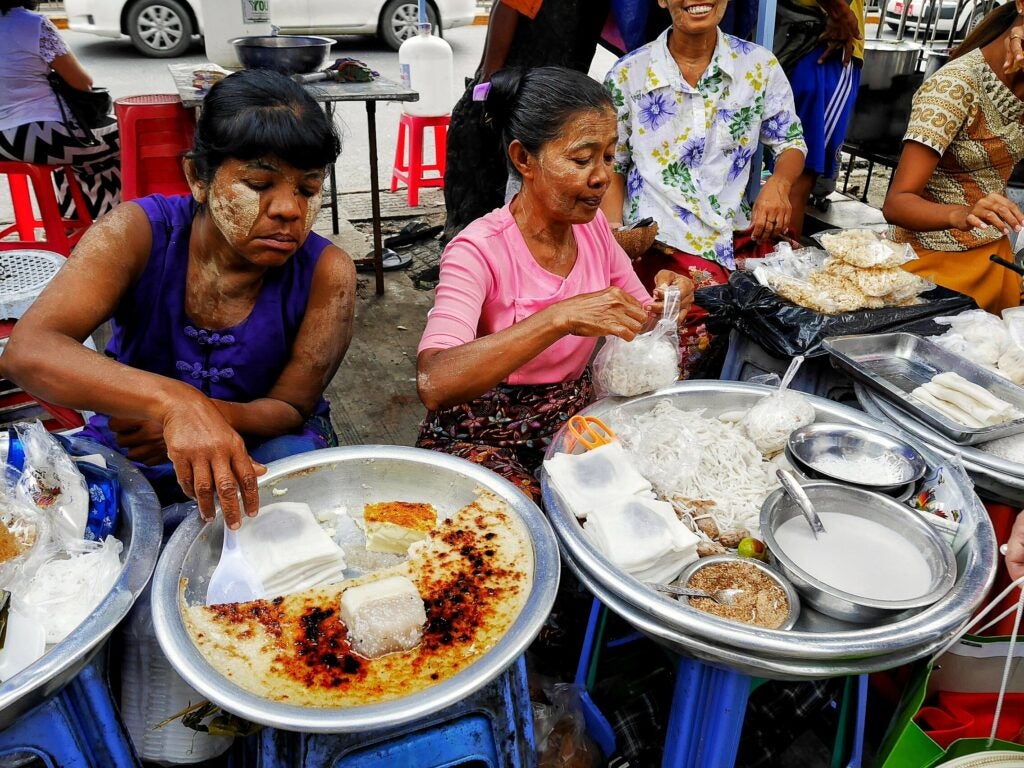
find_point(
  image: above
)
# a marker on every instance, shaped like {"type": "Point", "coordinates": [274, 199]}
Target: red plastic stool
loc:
{"type": "Point", "coordinates": [156, 130]}
{"type": "Point", "coordinates": [61, 234]}
{"type": "Point", "coordinates": [412, 170]}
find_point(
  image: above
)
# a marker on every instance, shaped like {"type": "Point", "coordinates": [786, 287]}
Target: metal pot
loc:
{"type": "Point", "coordinates": [287, 54]}
{"type": "Point", "coordinates": [885, 60]}
{"type": "Point", "coordinates": [936, 58]}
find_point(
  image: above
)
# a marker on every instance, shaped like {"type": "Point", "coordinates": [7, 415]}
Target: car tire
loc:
{"type": "Point", "coordinates": [161, 29]}
{"type": "Point", "coordinates": [398, 21]}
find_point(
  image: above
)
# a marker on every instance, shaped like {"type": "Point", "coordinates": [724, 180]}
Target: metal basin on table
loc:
{"type": "Point", "coordinates": [140, 530]}
{"type": "Point", "coordinates": [352, 477]}
{"type": "Point", "coordinates": [1001, 480]}
{"type": "Point", "coordinates": [818, 646]}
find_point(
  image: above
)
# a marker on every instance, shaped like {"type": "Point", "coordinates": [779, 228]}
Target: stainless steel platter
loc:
{"type": "Point", "coordinates": [139, 531]}
{"type": "Point", "coordinates": [817, 643]}
{"type": "Point", "coordinates": [894, 364]}
{"type": "Point", "coordinates": [1002, 480]}
{"type": "Point", "coordinates": [351, 477]}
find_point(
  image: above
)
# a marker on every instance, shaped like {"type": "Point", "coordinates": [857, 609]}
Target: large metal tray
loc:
{"type": "Point", "coordinates": [351, 477]}
{"type": "Point", "coordinates": [894, 364]}
{"type": "Point", "coordinates": [140, 530]}
{"type": "Point", "coordinates": [817, 642]}
{"type": "Point", "coordinates": [999, 479]}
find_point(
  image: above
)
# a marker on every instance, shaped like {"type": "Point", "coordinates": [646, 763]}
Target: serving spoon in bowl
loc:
{"type": "Point", "coordinates": [797, 493]}
{"type": "Point", "coordinates": [720, 596]}
{"type": "Point", "coordinates": [234, 580]}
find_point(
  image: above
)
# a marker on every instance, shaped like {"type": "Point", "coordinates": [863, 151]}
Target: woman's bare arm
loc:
{"type": "Point", "coordinates": [45, 356]}
{"type": "Point", "coordinates": [71, 69]}
{"type": "Point", "coordinates": [905, 205]}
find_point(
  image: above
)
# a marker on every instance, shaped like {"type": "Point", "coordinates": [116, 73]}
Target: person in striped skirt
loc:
{"type": "Point", "coordinates": [32, 125]}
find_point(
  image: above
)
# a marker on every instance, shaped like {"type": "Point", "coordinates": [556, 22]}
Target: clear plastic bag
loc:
{"type": "Point", "coordinates": [771, 419]}
{"type": "Point", "coordinates": [31, 532]}
{"type": "Point", "coordinates": [1011, 362]}
{"type": "Point", "coordinates": [985, 334]}
{"type": "Point", "coordinates": [645, 364]}
{"type": "Point", "coordinates": [51, 483]}
{"type": "Point", "coordinates": [68, 584]}
{"type": "Point", "coordinates": [561, 730]}
{"type": "Point", "coordinates": [865, 248]}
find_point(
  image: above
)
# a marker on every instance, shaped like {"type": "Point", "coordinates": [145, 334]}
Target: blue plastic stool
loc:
{"type": "Point", "coordinates": [493, 728]}
{"type": "Point", "coordinates": [746, 359]}
{"type": "Point", "coordinates": [79, 727]}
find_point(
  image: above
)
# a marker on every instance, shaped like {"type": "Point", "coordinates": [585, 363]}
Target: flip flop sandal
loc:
{"type": "Point", "coordinates": [391, 259]}
{"type": "Point", "coordinates": [404, 237]}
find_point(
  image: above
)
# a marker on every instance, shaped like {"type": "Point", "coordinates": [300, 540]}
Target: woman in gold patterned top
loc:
{"type": "Point", "coordinates": [948, 194]}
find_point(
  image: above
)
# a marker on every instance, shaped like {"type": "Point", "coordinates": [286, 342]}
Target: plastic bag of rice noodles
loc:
{"type": "Point", "coordinates": [647, 363]}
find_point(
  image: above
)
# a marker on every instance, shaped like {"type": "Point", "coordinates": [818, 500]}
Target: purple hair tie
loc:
{"type": "Point", "coordinates": [480, 91]}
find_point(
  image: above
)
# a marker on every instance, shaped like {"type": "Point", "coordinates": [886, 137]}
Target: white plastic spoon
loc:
{"type": "Point", "coordinates": [234, 580]}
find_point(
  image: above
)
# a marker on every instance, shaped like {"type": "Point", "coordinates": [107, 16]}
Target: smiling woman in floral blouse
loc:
{"type": "Point", "coordinates": [692, 107]}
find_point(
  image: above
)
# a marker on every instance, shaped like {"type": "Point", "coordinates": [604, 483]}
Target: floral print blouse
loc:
{"type": "Point", "coordinates": [686, 152]}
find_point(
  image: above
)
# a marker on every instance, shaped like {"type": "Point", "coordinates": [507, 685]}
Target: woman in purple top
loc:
{"type": "Point", "coordinates": [229, 315]}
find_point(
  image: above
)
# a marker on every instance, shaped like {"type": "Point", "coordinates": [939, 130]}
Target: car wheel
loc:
{"type": "Point", "coordinates": [160, 28]}
{"type": "Point", "coordinates": [399, 20]}
{"type": "Point", "coordinates": [974, 18]}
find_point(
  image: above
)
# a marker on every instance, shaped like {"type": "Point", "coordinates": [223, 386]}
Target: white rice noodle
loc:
{"type": "Point", "coordinates": [731, 478]}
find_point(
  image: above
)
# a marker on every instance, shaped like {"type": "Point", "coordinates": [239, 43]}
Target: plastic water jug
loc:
{"type": "Point", "coordinates": [426, 65]}
{"type": "Point", "coordinates": [224, 20]}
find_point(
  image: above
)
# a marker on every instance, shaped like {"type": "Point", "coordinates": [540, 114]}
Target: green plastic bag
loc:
{"type": "Point", "coordinates": [906, 745]}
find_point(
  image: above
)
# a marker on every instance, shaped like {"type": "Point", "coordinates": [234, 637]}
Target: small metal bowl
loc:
{"type": "Point", "coordinates": [807, 474]}
{"type": "Point", "coordinates": [810, 444]}
{"type": "Point", "coordinates": [787, 587]}
{"type": "Point", "coordinates": [851, 500]}
{"type": "Point", "coordinates": [287, 54]}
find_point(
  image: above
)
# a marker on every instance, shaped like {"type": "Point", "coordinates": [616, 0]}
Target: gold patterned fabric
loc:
{"type": "Point", "coordinates": [966, 114]}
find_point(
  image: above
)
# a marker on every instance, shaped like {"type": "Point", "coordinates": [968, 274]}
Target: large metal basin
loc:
{"type": "Point", "coordinates": [351, 477]}
{"type": "Point", "coordinates": [1001, 480]}
{"type": "Point", "coordinates": [140, 531]}
{"type": "Point", "coordinates": [818, 646]}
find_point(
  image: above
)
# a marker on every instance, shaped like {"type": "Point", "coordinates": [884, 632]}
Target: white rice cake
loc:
{"type": "Point", "coordinates": [383, 616]}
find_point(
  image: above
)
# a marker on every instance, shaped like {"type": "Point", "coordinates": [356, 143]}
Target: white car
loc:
{"type": "Point", "coordinates": [921, 11]}
{"type": "Point", "coordinates": [164, 28]}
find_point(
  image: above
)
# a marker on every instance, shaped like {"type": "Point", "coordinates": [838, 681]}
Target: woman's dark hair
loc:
{"type": "Point", "coordinates": [533, 105]}
{"type": "Point", "coordinates": [996, 21]}
{"type": "Point", "coordinates": [258, 112]}
{"type": "Point", "coordinates": [10, 5]}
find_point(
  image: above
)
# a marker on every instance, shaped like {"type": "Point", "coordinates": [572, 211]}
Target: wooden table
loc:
{"type": "Point", "coordinates": [329, 93]}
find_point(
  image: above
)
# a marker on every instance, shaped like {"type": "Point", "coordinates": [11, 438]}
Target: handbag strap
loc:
{"type": "Point", "coordinates": [90, 137]}
{"type": "Point", "coordinates": [1004, 683]}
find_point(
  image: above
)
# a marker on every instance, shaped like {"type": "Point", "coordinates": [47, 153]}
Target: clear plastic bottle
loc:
{"type": "Point", "coordinates": [151, 691]}
{"type": "Point", "coordinates": [426, 65]}
{"type": "Point", "coordinates": [224, 20]}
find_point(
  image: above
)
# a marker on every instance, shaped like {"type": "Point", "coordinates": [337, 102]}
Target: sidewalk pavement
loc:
{"type": "Point", "coordinates": [373, 396]}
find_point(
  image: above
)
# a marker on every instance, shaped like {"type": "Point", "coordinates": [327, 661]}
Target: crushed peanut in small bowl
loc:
{"type": "Point", "coordinates": [763, 601]}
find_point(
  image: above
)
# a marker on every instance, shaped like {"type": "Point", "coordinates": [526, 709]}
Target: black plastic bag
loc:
{"type": "Point", "coordinates": [784, 329]}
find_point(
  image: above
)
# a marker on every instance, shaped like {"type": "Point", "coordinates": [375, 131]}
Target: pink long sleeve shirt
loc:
{"type": "Point", "coordinates": [490, 281]}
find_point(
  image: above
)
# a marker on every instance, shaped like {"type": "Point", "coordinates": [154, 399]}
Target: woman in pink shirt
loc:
{"type": "Point", "coordinates": [527, 290]}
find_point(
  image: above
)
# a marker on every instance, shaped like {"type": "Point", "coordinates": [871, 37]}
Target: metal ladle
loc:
{"type": "Point", "coordinates": [796, 492]}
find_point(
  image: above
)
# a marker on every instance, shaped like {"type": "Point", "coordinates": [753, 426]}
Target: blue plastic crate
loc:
{"type": "Point", "coordinates": [493, 728]}
{"type": "Point", "coordinates": [77, 728]}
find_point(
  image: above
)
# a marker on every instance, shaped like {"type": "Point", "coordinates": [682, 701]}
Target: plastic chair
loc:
{"type": "Point", "coordinates": [156, 130]}
{"type": "Point", "coordinates": [411, 170]}
{"type": "Point", "coordinates": [62, 234]}
{"type": "Point", "coordinates": [77, 728]}
{"type": "Point", "coordinates": [492, 728]}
